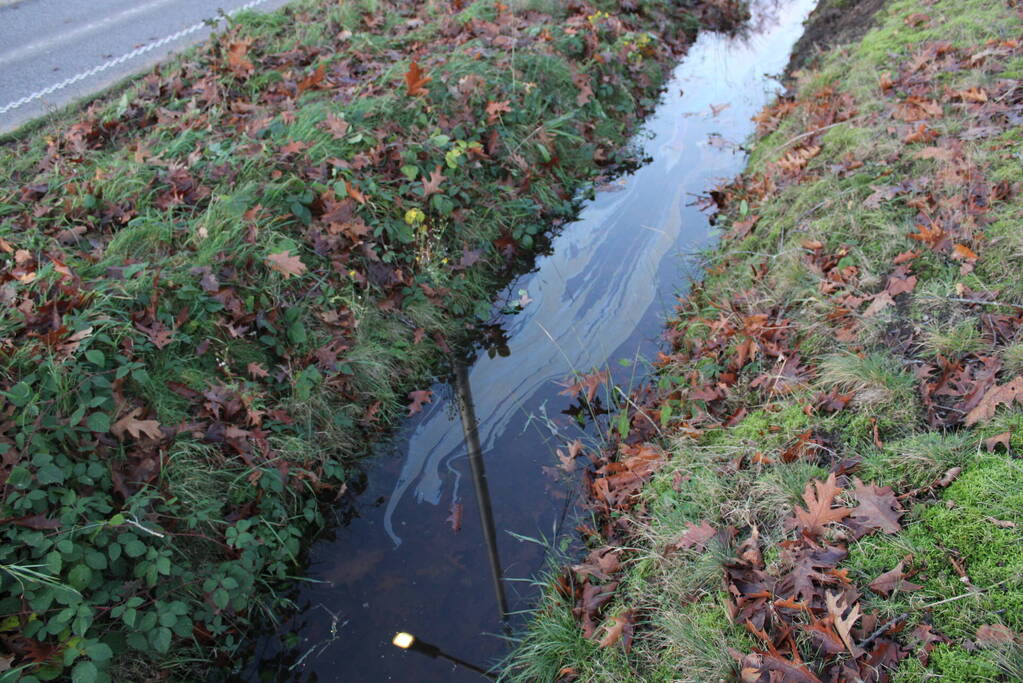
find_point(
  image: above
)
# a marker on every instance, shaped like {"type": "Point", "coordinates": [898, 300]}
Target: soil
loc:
{"type": "Point", "coordinates": [833, 22]}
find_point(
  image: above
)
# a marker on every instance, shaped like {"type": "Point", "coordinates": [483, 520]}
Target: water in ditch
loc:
{"type": "Point", "coordinates": [597, 301]}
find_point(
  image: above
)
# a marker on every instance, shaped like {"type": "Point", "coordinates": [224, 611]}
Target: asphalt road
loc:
{"type": "Point", "coordinates": [53, 52]}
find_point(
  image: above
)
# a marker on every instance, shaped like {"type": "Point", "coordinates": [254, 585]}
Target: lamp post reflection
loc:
{"type": "Point", "coordinates": [407, 641]}
{"type": "Point", "coordinates": [479, 479]}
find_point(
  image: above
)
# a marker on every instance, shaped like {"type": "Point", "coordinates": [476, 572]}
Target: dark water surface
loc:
{"type": "Point", "coordinates": [601, 296]}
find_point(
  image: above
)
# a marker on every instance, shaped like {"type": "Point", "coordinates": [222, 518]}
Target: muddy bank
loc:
{"type": "Point", "coordinates": [831, 24]}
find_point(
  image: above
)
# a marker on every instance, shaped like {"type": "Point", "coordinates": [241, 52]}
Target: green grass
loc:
{"type": "Point", "coordinates": [885, 427]}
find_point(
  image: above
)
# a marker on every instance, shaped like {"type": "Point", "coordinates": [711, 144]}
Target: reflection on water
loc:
{"type": "Point", "coordinates": [601, 295]}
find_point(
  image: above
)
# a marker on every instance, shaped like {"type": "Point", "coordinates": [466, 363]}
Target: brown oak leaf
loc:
{"type": "Point", "coordinates": [837, 606]}
{"type": "Point", "coordinates": [619, 629]}
{"type": "Point", "coordinates": [495, 109]}
{"type": "Point", "coordinates": [818, 497]}
{"type": "Point", "coordinates": [336, 125]}
{"type": "Point", "coordinates": [893, 580]}
{"type": "Point", "coordinates": [695, 537]}
{"type": "Point", "coordinates": [416, 80]}
{"type": "Point", "coordinates": [132, 425]}
{"type": "Point", "coordinates": [256, 371]}
{"type": "Point", "coordinates": [995, 396]}
{"type": "Point", "coordinates": [240, 64]}
{"type": "Point", "coordinates": [286, 264]}
{"type": "Point", "coordinates": [877, 507]}
{"type": "Point", "coordinates": [600, 563]}
{"type": "Point", "coordinates": [432, 186]}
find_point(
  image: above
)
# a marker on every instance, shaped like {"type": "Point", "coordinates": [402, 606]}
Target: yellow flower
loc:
{"type": "Point", "coordinates": [415, 217]}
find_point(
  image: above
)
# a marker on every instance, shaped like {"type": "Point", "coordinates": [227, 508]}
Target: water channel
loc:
{"type": "Point", "coordinates": [598, 301]}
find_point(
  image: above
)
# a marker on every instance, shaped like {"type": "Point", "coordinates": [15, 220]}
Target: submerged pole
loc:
{"type": "Point", "coordinates": [479, 479]}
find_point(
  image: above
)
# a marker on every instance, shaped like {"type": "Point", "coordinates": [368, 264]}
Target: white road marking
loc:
{"type": "Point", "coordinates": [119, 60]}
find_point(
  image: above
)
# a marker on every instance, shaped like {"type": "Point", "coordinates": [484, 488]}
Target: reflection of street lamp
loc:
{"type": "Point", "coordinates": [407, 641]}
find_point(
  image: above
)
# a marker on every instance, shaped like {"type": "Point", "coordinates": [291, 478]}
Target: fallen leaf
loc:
{"type": "Point", "coordinates": [158, 333]}
{"type": "Point", "coordinates": [567, 460]}
{"type": "Point", "coordinates": [495, 109]}
{"type": "Point", "coordinates": [37, 522]}
{"type": "Point", "coordinates": [893, 580]}
{"type": "Point", "coordinates": [881, 301]}
{"type": "Point", "coordinates": [313, 79]}
{"type": "Point", "coordinates": [695, 537]}
{"type": "Point", "coordinates": [974, 94]}
{"type": "Point", "coordinates": [929, 235]}
{"type": "Point", "coordinates": [1002, 439]}
{"type": "Point", "coordinates": [600, 563]}
{"type": "Point", "coordinates": [336, 125]}
{"type": "Point", "coordinates": [837, 606]}
{"type": "Point", "coordinates": [921, 134]}
{"type": "Point", "coordinates": [418, 398]}
{"type": "Point", "coordinates": [818, 497]}
{"type": "Point", "coordinates": [582, 81]}
{"type": "Point", "coordinates": [416, 80]}
{"type": "Point", "coordinates": [256, 371]}
{"type": "Point", "coordinates": [136, 427]}
{"type": "Point", "coordinates": [961, 252]}
{"type": "Point", "coordinates": [590, 383]}
{"type": "Point", "coordinates": [914, 109]}
{"type": "Point", "coordinates": [877, 509]}
{"type": "Point", "coordinates": [236, 57]}
{"type": "Point", "coordinates": [995, 396]}
{"type": "Point", "coordinates": [283, 262]}
{"type": "Point", "coordinates": [742, 228]}
{"type": "Point", "coordinates": [994, 634]}
{"type": "Point", "coordinates": [620, 629]}
{"type": "Point", "coordinates": [432, 186]}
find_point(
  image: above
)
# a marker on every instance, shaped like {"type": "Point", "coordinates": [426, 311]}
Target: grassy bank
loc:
{"type": "Point", "coordinates": [836, 494]}
{"type": "Point", "coordinates": [221, 280]}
